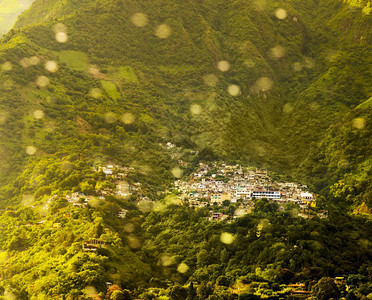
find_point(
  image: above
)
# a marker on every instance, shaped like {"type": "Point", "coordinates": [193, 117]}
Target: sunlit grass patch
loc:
{"type": "Point", "coordinates": [110, 89]}
{"type": "Point", "coordinates": [75, 60]}
{"type": "Point", "coordinates": [127, 73]}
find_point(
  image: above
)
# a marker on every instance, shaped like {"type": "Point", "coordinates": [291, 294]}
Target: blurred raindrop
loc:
{"type": "Point", "coordinates": [91, 291]}
{"type": "Point", "coordinates": [240, 212]}
{"type": "Point", "coordinates": [177, 172]}
{"type": "Point", "coordinates": [210, 79]}
{"type": "Point", "coordinates": [260, 4]}
{"type": "Point", "coordinates": [133, 242]}
{"type": "Point", "coordinates": [287, 108]}
{"type": "Point", "coordinates": [28, 200]}
{"type": "Point", "coordinates": [182, 268]}
{"type": "Point", "coordinates": [30, 150]}
{"type": "Point", "coordinates": [61, 37]}
{"type": "Point", "coordinates": [297, 67]}
{"type": "Point", "coordinates": [38, 114]}
{"type": "Point", "coordinates": [263, 84]}
{"type": "Point", "coordinates": [314, 105]}
{"type": "Point", "coordinates": [145, 205]}
{"type": "Point", "coordinates": [249, 63]}
{"type": "Point", "coordinates": [42, 81]}
{"type": "Point", "coordinates": [227, 238]}
{"type": "Point", "coordinates": [233, 90]}
{"type": "Point", "coordinates": [7, 66]}
{"type": "Point", "coordinates": [223, 65]}
{"type": "Point", "coordinates": [128, 118]}
{"type": "Point", "coordinates": [163, 31]}
{"type": "Point", "coordinates": [139, 20]}
{"type": "Point", "coordinates": [25, 62]}
{"type": "Point", "coordinates": [277, 52]}
{"type": "Point", "coordinates": [281, 13]}
{"type": "Point", "coordinates": [309, 63]}
{"type": "Point", "coordinates": [166, 260]}
{"type": "Point", "coordinates": [195, 109]}
{"type": "Point", "coordinates": [110, 117]}
{"type": "Point", "coordinates": [59, 27]}
{"type": "Point", "coordinates": [34, 60]}
{"type": "Point", "coordinates": [129, 228]}
{"type": "Point", "coordinates": [51, 66]}
{"type": "Point", "coordinates": [359, 123]}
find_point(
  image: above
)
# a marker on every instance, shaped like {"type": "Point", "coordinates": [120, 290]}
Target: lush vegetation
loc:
{"type": "Point", "coordinates": [124, 89]}
{"type": "Point", "coordinates": [172, 247]}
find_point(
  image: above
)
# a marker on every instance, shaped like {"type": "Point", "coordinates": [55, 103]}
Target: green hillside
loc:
{"type": "Point", "coordinates": [152, 87]}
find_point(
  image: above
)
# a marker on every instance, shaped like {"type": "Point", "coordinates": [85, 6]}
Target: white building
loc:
{"type": "Point", "coordinates": [306, 196]}
{"type": "Point", "coordinates": [266, 194]}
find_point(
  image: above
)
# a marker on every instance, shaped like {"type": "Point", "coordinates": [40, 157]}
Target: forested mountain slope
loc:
{"type": "Point", "coordinates": [296, 74]}
{"type": "Point", "coordinates": [284, 85]}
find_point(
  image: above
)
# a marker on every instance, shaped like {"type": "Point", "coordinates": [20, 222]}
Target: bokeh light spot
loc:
{"type": "Point", "coordinates": [42, 81]}
{"type": "Point", "coordinates": [227, 238]}
{"type": "Point", "coordinates": [223, 65]}
{"type": "Point", "coordinates": [233, 90]}
{"type": "Point", "coordinates": [281, 13]}
{"type": "Point", "coordinates": [177, 172]}
{"type": "Point", "coordinates": [27, 200]}
{"type": "Point", "coordinates": [139, 20]}
{"type": "Point", "coordinates": [249, 63]}
{"type": "Point", "coordinates": [240, 212]}
{"type": "Point", "coordinates": [297, 67]}
{"type": "Point", "coordinates": [277, 52]}
{"type": "Point", "coordinates": [359, 123]}
{"type": "Point", "coordinates": [182, 268]}
{"type": "Point", "coordinates": [25, 62]}
{"type": "Point", "coordinates": [309, 63]}
{"type": "Point", "coordinates": [210, 79]}
{"type": "Point", "coordinates": [110, 117]}
{"type": "Point", "coordinates": [59, 27]}
{"type": "Point", "coordinates": [7, 66]}
{"type": "Point", "coordinates": [145, 205]}
{"type": "Point", "coordinates": [51, 66]}
{"type": "Point", "coordinates": [31, 150]}
{"type": "Point", "coordinates": [133, 242]}
{"type": "Point", "coordinates": [195, 109]}
{"type": "Point", "coordinates": [61, 37]}
{"type": "Point", "coordinates": [91, 291]}
{"type": "Point", "coordinates": [34, 60]}
{"type": "Point", "coordinates": [287, 108]}
{"type": "Point", "coordinates": [166, 260]}
{"type": "Point", "coordinates": [263, 84]}
{"type": "Point", "coordinates": [260, 4]}
{"type": "Point", "coordinates": [38, 114]}
{"type": "Point", "coordinates": [128, 118]}
{"type": "Point", "coordinates": [163, 31]}
{"type": "Point", "coordinates": [129, 228]}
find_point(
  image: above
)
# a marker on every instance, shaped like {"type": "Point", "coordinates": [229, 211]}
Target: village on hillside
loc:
{"type": "Point", "coordinates": [214, 186]}
{"type": "Point", "coordinates": [219, 184]}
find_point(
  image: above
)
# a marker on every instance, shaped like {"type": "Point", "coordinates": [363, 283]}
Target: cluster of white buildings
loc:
{"type": "Point", "coordinates": [217, 183]}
